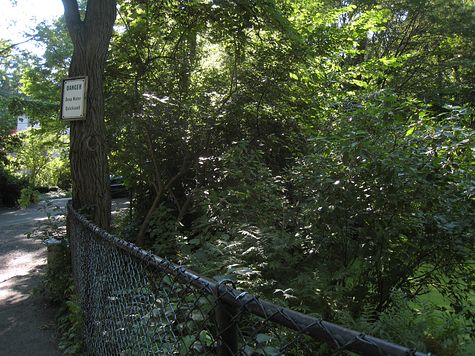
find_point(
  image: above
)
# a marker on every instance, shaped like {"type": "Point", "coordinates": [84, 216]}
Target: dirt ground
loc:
{"type": "Point", "coordinates": [26, 318]}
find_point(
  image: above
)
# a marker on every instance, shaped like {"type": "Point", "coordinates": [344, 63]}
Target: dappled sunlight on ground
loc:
{"type": "Point", "coordinates": [19, 263]}
{"type": "Point", "coordinates": [16, 289]}
{"type": "Point", "coordinates": [26, 318]}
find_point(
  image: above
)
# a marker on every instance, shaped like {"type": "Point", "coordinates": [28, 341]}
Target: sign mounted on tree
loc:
{"type": "Point", "coordinates": [73, 99]}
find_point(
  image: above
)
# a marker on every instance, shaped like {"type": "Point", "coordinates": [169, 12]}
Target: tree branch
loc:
{"type": "Point", "coordinates": [141, 234]}
{"type": "Point", "coordinates": [72, 17]}
{"type": "Point", "coordinates": [6, 49]}
{"type": "Point", "coordinates": [154, 159]}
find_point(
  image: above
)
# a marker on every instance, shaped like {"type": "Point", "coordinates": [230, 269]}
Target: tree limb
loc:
{"type": "Point", "coordinates": [161, 190]}
{"type": "Point", "coordinates": [72, 17]}
{"type": "Point", "coordinates": [8, 48]}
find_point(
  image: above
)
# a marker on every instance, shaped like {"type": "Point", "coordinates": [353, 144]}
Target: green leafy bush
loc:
{"type": "Point", "coordinates": [58, 283]}
{"type": "Point", "coordinates": [10, 185]}
{"type": "Point", "coordinates": [10, 188]}
{"type": "Point", "coordinates": [28, 196]}
{"type": "Point", "coordinates": [423, 326]}
{"type": "Point", "coordinates": [41, 157]}
{"type": "Point", "coordinates": [322, 174]}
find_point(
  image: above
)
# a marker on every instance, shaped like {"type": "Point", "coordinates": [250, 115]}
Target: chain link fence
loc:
{"type": "Point", "coordinates": [136, 303]}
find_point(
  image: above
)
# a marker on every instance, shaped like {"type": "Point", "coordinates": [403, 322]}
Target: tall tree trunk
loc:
{"type": "Point", "coordinates": [88, 151]}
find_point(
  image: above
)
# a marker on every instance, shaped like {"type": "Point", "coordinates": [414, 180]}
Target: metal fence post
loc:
{"type": "Point", "coordinates": [226, 321]}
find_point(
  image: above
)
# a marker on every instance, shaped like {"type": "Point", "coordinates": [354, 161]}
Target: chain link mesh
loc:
{"type": "Point", "coordinates": [136, 303]}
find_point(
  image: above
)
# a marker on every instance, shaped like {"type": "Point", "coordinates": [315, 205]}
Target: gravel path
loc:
{"type": "Point", "coordinates": [26, 319]}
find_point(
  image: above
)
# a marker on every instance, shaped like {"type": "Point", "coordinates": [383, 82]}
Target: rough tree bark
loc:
{"type": "Point", "coordinates": [88, 152]}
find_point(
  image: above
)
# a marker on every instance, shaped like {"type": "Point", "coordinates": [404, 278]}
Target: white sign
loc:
{"type": "Point", "coordinates": [73, 99]}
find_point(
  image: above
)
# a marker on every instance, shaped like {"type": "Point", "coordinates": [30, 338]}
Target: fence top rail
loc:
{"type": "Point", "coordinates": [340, 337]}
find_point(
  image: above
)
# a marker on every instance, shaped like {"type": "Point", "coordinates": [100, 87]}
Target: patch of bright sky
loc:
{"type": "Point", "coordinates": [16, 20]}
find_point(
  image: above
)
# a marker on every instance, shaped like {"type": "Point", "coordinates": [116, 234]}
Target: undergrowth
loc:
{"type": "Point", "coordinates": [58, 284]}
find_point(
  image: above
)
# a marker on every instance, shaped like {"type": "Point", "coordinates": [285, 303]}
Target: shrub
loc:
{"type": "Point", "coordinates": [10, 189]}
{"type": "Point", "coordinates": [28, 196]}
{"type": "Point", "coordinates": [423, 325]}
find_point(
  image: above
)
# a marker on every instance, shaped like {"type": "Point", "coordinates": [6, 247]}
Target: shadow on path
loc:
{"type": "Point", "coordinates": [26, 318]}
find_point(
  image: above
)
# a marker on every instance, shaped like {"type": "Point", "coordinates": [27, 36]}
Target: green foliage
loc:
{"type": "Point", "coordinates": [423, 327]}
{"type": "Point", "coordinates": [327, 163]}
{"type": "Point", "coordinates": [27, 87]}
{"type": "Point", "coordinates": [42, 75]}
{"type": "Point", "coordinates": [10, 75]}
{"type": "Point", "coordinates": [318, 152]}
{"type": "Point", "coordinates": [70, 326]}
{"type": "Point", "coordinates": [41, 157]}
{"type": "Point", "coordinates": [231, 237]}
{"type": "Point", "coordinates": [28, 196]}
{"type": "Point", "coordinates": [30, 85]}
{"type": "Point", "coordinates": [10, 186]}
{"type": "Point", "coordinates": [57, 282]}
{"type": "Point", "coordinates": [165, 231]}
{"type": "Point", "coordinates": [381, 205]}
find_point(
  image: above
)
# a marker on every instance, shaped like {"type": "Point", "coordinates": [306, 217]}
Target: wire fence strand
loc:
{"type": "Point", "coordinates": [137, 303]}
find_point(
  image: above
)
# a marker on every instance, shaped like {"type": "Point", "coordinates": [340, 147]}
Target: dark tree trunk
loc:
{"type": "Point", "coordinates": [88, 151]}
